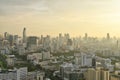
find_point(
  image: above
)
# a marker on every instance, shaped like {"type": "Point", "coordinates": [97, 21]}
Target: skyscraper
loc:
{"type": "Point", "coordinates": [10, 39]}
{"type": "Point", "coordinates": [86, 36]}
{"type": "Point", "coordinates": [31, 40]}
{"type": "Point", "coordinates": [5, 35]}
{"type": "Point", "coordinates": [108, 36]}
{"type": "Point", "coordinates": [24, 35]}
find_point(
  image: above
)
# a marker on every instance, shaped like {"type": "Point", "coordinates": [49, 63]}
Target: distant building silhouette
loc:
{"type": "Point", "coordinates": [86, 36]}
{"type": "Point", "coordinates": [5, 35]}
{"type": "Point", "coordinates": [24, 35]}
{"type": "Point", "coordinates": [32, 40]}
{"type": "Point", "coordinates": [108, 36]}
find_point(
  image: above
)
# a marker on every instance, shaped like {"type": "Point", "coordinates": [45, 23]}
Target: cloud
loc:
{"type": "Point", "coordinates": [13, 7]}
{"type": "Point", "coordinates": [55, 7]}
{"type": "Point", "coordinates": [17, 2]}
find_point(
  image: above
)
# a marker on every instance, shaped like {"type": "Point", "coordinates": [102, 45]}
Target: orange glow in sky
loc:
{"type": "Point", "coordinates": [95, 17]}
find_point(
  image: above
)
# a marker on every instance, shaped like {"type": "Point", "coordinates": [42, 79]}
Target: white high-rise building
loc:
{"type": "Point", "coordinates": [86, 60]}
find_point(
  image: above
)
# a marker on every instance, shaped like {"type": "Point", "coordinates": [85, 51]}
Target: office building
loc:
{"type": "Point", "coordinates": [21, 49]}
{"type": "Point", "coordinates": [108, 36]}
{"type": "Point", "coordinates": [86, 60]}
{"type": "Point", "coordinates": [73, 75]}
{"type": "Point", "coordinates": [31, 41]}
{"type": "Point", "coordinates": [65, 67]}
{"type": "Point", "coordinates": [96, 74]}
{"type": "Point", "coordinates": [86, 36]}
{"type": "Point", "coordinates": [11, 39]}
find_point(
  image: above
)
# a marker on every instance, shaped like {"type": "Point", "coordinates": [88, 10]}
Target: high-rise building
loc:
{"type": "Point", "coordinates": [94, 62]}
{"type": "Point", "coordinates": [67, 36]}
{"type": "Point", "coordinates": [86, 60]}
{"type": "Point", "coordinates": [73, 75]}
{"type": "Point", "coordinates": [16, 39]}
{"type": "Point", "coordinates": [32, 40]}
{"type": "Point", "coordinates": [11, 39]}
{"type": "Point", "coordinates": [60, 35]}
{"type": "Point", "coordinates": [65, 67]}
{"type": "Point", "coordinates": [5, 35]}
{"type": "Point", "coordinates": [24, 35]}
{"type": "Point", "coordinates": [86, 36]}
{"type": "Point", "coordinates": [108, 36]}
{"type": "Point", "coordinates": [105, 74]}
{"type": "Point", "coordinates": [69, 42]}
{"type": "Point", "coordinates": [21, 49]}
{"type": "Point", "coordinates": [97, 74]}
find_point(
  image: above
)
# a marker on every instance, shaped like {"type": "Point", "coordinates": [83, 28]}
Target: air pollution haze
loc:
{"type": "Point", "coordinates": [95, 17]}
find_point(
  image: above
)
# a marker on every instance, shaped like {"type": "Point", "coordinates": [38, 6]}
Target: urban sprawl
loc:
{"type": "Point", "coordinates": [59, 58]}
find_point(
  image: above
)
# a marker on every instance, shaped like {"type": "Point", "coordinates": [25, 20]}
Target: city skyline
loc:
{"type": "Point", "coordinates": [59, 39]}
{"type": "Point", "coordinates": [44, 17]}
{"type": "Point", "coordinates": [24, 35]}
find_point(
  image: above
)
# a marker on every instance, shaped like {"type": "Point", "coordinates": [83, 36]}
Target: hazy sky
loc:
{"type": "Point", "coordinates": [95, 17]}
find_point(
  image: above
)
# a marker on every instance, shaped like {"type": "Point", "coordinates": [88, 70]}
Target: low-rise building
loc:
{"type": "Point", "coordinates": [10, 60]}
{"type": "Point", "coordinates": [15, 74]}
{"type": "Point", "coordinates": [115, 77]}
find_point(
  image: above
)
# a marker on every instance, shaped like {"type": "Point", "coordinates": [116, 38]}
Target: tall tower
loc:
{"type": "Point", "coordinates": [86, 36]}
{"type": "Point", "coordinates": [108, 36]}
{"type": "Point", "coordinates": [5, 35]}
{"type": "Point", "coordinates": [24, 35]}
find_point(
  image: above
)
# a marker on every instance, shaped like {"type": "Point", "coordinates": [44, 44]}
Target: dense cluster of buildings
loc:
{"type": "Point", "coordinates": [87, 67]}
{"type": "Point", "coordinates": [63, 43]}
{"type": "Point", "coordinates": [21, 74]}
{"type": "Point", "coordinates": [92, 58]}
